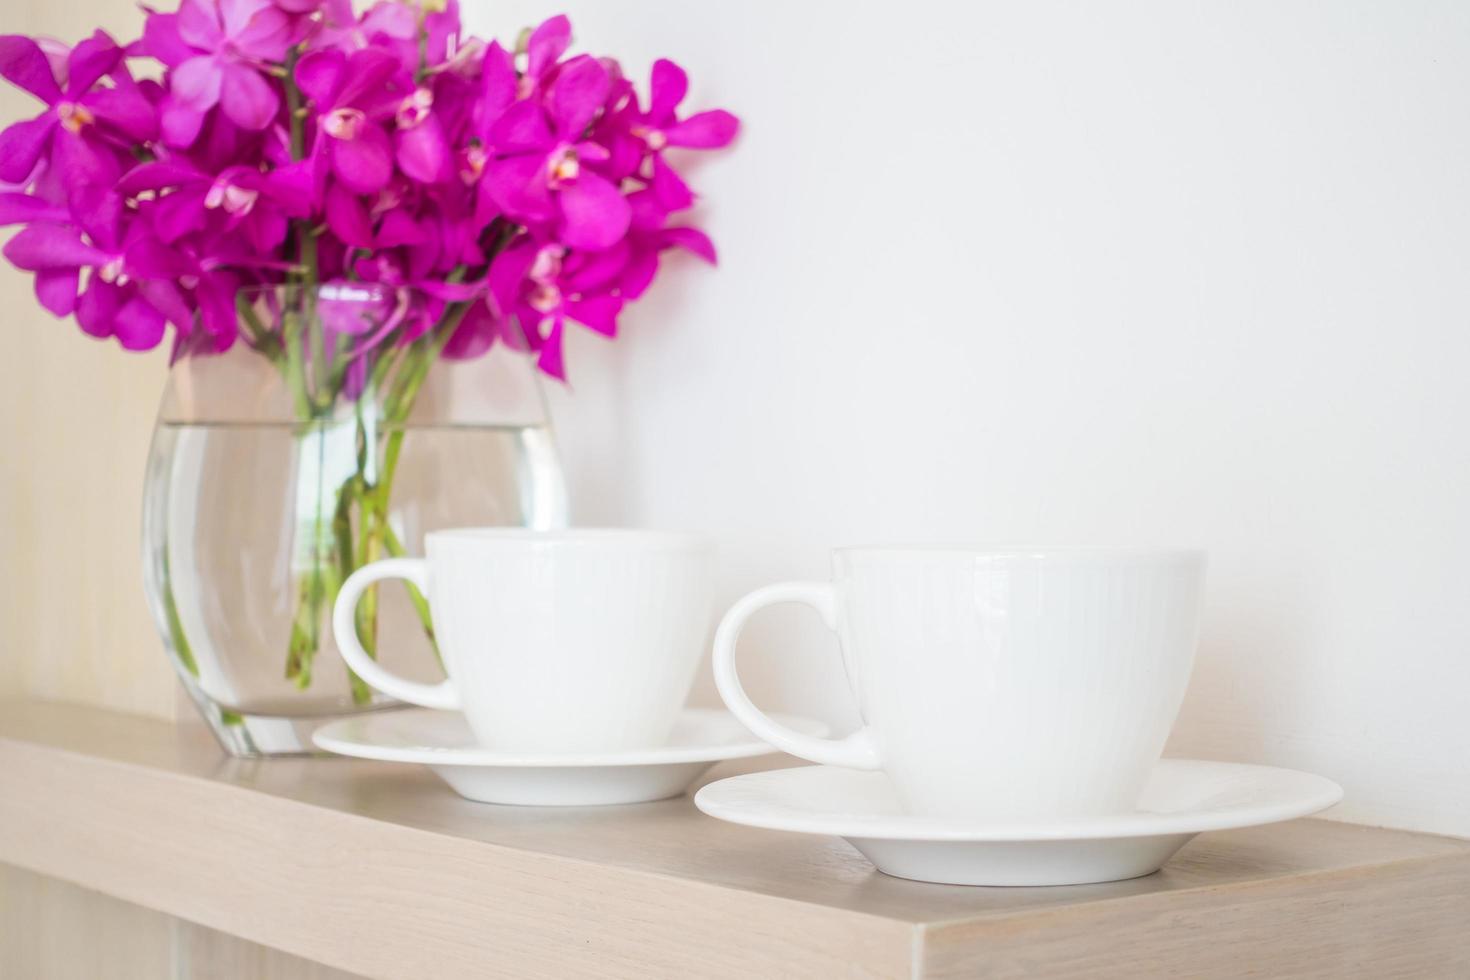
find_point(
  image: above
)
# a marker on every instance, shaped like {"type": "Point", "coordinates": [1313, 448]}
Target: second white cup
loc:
{"type": "Point", "coordinates": [1025, 684]}
{"type": "Point", "coordinates": [554, 641]}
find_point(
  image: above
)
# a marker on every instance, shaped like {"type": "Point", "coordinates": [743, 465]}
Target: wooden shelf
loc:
{"type": "Point", "coordinates": [380, 870]}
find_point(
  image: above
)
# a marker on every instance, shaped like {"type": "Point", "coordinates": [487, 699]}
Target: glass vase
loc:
{"type": "Point", "coordinates": [334, 432]}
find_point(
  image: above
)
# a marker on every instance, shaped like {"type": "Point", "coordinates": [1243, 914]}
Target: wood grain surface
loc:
{"type": "Point", "coordinates": [380, 870]}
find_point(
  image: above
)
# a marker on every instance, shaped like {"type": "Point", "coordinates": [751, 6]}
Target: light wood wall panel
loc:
{"type": "Point", "coordinates": [55, 930]}
{"type": "Point", "coordinates": [78, 419]}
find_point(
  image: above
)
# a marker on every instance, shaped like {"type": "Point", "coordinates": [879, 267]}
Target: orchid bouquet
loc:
{"type": "Point", "coordinates": [419, 192]}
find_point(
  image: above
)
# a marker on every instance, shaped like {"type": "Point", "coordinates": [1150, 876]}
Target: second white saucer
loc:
{"type": "Point", "coordinates": [1184, 797]}
{"type": "Point", "coordinates": [442, 741]}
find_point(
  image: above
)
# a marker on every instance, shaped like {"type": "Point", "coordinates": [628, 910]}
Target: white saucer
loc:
{"type": "Point", "coordinates": [442, 741]}
{"type": "Point", "coordinates": [1183, 798]}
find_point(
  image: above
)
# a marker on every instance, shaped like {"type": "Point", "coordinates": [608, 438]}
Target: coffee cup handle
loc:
{"type": "Point", "coordinates": [344, 627]}
{"type": "Point", "coordinates": [856, 751]}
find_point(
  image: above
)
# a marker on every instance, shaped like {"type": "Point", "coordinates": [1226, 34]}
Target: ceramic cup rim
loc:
{"type": "Point", "coordinates": [570, 538]}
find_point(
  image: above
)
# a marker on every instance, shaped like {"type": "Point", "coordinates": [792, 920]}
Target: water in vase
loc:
{"type": "Point", "coordinates": [243, 527]}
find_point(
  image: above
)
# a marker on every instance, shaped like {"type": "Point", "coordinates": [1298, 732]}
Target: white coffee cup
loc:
{"type": "Point", "coordinates": [998, 684]}
{"type": "Point", "coordinates": [553, 641]}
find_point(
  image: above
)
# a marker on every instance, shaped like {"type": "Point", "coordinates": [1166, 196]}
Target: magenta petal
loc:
{"type": "Point", "coordinates": [424, 260]}
{"type": "Point", "coordinates": [124, 108]}
{"type": "Point", "coordinates": [81, 160]}
{"type": "Point", "coordinates": [292, 188]}
{"type": "Point", "coordinates": [578, 92]}
{"type": "Point", "coordinates": [399, 229]}
{"type": "Point", "coordinates": [590, 152]}
{"type": "Point", "coordinates": [498, 81]}
{"type": "Point", "coordinates": [368, 71]}
{"type": "Point", "coordinates": [239, 18]}
{"type": "Point", "coordinates": [474, 335]}
{"type": "Point", "coordinates": [518, 186]}
{"type": "Point", "coordinates": [264, 33]}
{"type": "Point", "coordinates": [99, 210]}
{"type": "Point", "coordinates": [161, 40]}
{"type": "Point", "coordinates": [454, 292]}
{"type": "Point", "coordinates": [89, 61]}
{"type": "Point", "coordinates": [168, 299]}
{"type": "Point", "coordinates": [691, 240]}
{"type": "Point", "coordinates": [625, 153]}
{"type": "Point", "coordinates": [595, 215]}
{"type": "Point", "coordinates": [148, 258]}
{"type": "Point", "coordinates": [666, 90]}
{"type": "Point", "coordinates": [158, 175]}
{"type": "Point", "coordinates": [57, 290]}
{"type": "Point", "coordinates": [347, 217]}
{"type": "Point", "coordinates": [97, 307]}
{"type": "Point", "coordinates": [178, 124]}
{"type": "Point", "coordinates": [179, 214]}
{"type": "Point", "coordinates": [550, 359]}
{"type": "Point", "coordinates": [21, 146]}
{"type": "Point", "coordinates": [486, 208]}
{"type": "Point", "coordinates": [266, 231]}
{"type": "Point", "coordinates": [669, 187]}
{"type": "Point", "coordinates": [365, 164]}
{"type": "Point", "coordinates": [43, 246]}
{"type": "Point", "coordinates": [423, 151]}
{"type": "Point", "coordinates": [199, 24]}
{"type": "Point", "coordinates": [247, 98]}
{"type": "Point", "coordinates": [638, 274]}
{"type": "Point", "coordinates": [196, 83]}
{"type": "Point", "coordinates": [508, 271]}
{"type": "Point", "coordinates": [705, 131]}
{"type": "Point", "coordinates": [598, 312]}
{"type": "Point", "coordinates": [319, 76]}
{"type": "Point", "coordinates": [137, 325]}
{"type": "Point", "coordinates": [216, 298]}
{"type": "Point", "coordinates": [546, 44]}
{"type": "Point", "coordinates": [649, 212]}
{"type": "Point", "coordinates": [16, 209]}
{"type": "Point", "coordinates": [594, 272]}
{"type": "Point", "coordinates": [398, 21]}
{"type": "Point", "coordinates": [24, 65]}
{"type": "Point", "coordinates": [522, 127]}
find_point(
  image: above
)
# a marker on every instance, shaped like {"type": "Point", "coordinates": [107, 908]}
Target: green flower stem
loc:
{"type": "Point", "coordinates": [366, 615]}
{"type": "Point", "coordinates": [295, 367]}
{"type": "Point", "coordinates": [418, 599]}
{"type": "Point", "coordinates": [317, 586]}
{"type": "Point", "coordinates": [260, 338]}
{"type": "Point", "coordinates": [363, 498]}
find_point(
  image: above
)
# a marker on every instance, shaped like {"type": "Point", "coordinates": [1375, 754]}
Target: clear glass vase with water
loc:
{"type": "Point", "coordinates": [275, 472]}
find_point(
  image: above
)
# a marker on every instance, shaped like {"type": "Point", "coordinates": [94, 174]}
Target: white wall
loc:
{"type": "Point", "coordinates": [1082, 272]}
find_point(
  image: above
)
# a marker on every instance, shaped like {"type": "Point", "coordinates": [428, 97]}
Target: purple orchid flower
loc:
{"type": "Point", "coordinates": [543, 285]}
{"type": "Point", "coordinates": [648, 239]}
{"type": "Point", "coordinates": [66, 132]}
{"type": "Point", "coordinates": [508, 202]}
{"type": "Point", "coordinates": [216, 50]}
{"type": "Point", "coordinates": [660, 128]}
{"type": "Point", "coordinates": [497, 93]}
{"type": "Point", "coordinates": [544, 48]}
{"type": "Point", "coordinates": [351, 93]}
{"type": "Point", "coordinates": [421, 145]}
{"type": "Point", "coordinates": [237, 199]}
{"type": "Point", "coordinates": [413, 33]}
{"type": "Point", "coordinates": [129, 293]}
{"type": "Point", "coordinates": [541, 179]}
